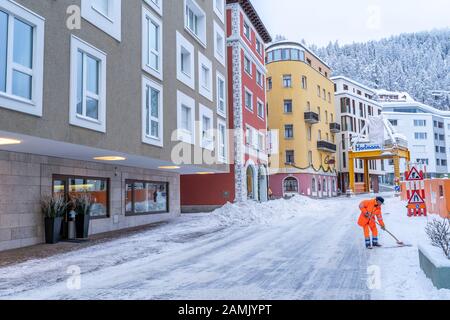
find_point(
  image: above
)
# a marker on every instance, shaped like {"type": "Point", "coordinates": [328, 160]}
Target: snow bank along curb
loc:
{"type": "Point", "coordinates": [251, 212]}
{"type": "Point", "coordinates": [435, 266]}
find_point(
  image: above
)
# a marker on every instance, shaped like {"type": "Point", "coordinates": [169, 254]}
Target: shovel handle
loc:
{"type": "Point", "coordinates": [398, 241]}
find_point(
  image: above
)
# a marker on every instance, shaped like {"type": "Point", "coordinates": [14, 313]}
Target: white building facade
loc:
{"type": "Point", "coordinates": [428, 133]}
{"type": "Point", "coordinates": [355, 104]}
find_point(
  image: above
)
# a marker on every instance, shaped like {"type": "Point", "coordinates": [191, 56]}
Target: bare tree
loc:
{"type": "Point", "coordinates": [439, 233]}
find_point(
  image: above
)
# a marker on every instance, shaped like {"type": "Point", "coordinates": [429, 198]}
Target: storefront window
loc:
{"type": "Point", "coordinates": [143, 197]}
{"type": "Point", "coordinates": [97, 188]}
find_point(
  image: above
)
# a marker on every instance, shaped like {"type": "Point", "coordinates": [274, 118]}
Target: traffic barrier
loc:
{"type": "Point", "coordinates": [437, 197]}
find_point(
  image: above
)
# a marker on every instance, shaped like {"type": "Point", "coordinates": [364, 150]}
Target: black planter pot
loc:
{"type": "Point", "coordinates": [82, 225]}
{"type": "Point", "coordinates": [52, 230]}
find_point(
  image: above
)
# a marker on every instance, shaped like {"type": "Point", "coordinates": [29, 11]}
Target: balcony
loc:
{"type": "Point", "coordinates": [326, 146]}
{"type": "Point", "coordinates": [335, 127]}
{"type": "Point", "coordinates": [311, 117]}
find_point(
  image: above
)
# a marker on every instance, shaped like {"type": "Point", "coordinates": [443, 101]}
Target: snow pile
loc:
{"type": "Point", "coordinates": [251, 212]}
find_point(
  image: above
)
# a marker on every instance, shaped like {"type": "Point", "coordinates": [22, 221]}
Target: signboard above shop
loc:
{"type": "Point", "coordinates": [364, 147]}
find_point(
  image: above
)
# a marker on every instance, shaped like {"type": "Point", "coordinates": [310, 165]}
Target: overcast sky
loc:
{"type": "Point", "coordinates": [322, 21]}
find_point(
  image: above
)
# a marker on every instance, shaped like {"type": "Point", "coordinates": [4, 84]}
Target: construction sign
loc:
{"type": "Point", "coordinates": [415, 190]}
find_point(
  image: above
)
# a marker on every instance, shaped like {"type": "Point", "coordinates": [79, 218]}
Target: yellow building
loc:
{"type": "Point", "coordinates": [301, 106]}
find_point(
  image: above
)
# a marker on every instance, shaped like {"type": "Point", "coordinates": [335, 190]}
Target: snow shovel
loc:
{"type": "Point", "coordinates": [400, 243]}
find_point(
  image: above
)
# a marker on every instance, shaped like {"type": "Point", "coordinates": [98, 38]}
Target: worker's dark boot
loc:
{"type": "Point", "coordinates": [375, 242]}
{"type": "Point", "coordinates": [368, 244]}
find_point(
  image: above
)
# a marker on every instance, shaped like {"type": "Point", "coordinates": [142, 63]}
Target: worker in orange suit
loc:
{"type": "Point", "coordinates": [371, 210]}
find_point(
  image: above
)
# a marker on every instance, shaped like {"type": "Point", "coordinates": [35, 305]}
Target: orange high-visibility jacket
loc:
{"type": "Point", "coordinates": [371, 208]}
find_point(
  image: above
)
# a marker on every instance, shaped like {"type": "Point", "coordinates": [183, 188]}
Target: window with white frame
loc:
{"type": "Point", "coordinates": [88, 86]}
{"type": "Point", "coordinates": [206, 130]}
{"type": "Point", "coordinates": [247, 31]}
{"type": "Point", "coordinates": [219, 9]}
{"type": "Point", "coordinates": [156, 5]}
{"type": "Point", "coordinates": [259, 78]}
{"type": "Point", "coordinates": [152, 113]}
{"type": "Point", "coordinates": [219, 43]}
{"type": "Point", "coordinates": [21, 59]}
{"type": "Point", "coordinates": [195, 21]}
{"type": "Point", "coordinates": [222, 141]}
{"type": "Point", "coordinates": [185, 61]}
{"type": "Point", "coordinates": [261, 144]}
{"type": "Point", "coordinates": [152, 55]}
{"type": "Point", "coordinates": [259, 47]}
{"type": "Point", "coordinates": [248, 65]}
{"type": "Point", "coordinates": [260, 107]}
{"type": "Point", "coordinates": [249, 100]}
{"type": "Point", "coordinates": [221, 95]}
{"type": "Point", "coordinates": [205, 76]}
{"type": "Point", "coordinates": [185, 118]}
{"type": "Point", "coordinates": [105, 15]}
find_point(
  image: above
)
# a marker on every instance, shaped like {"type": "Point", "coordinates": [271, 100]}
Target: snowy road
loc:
{"type": "Point", "coordinates": [298, 249]}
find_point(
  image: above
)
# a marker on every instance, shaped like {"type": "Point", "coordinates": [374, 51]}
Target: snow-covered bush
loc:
{"type": "Point", "coordinates": [438, 231]}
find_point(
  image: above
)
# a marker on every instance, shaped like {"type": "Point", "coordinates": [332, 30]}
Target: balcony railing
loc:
{"type": "Point", "coordinates": [311, 117]}
{"type": "Point", "coordinates": [335, 127]}
{"type": "Point", "coordinates": [326, 146]}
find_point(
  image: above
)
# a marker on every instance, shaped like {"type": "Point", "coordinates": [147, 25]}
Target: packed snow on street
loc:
{"type": "Point", "coordinates": [285, 249]}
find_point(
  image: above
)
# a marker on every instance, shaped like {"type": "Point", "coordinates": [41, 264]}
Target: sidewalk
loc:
{"type": "Point", "coordinates": [41, 251]}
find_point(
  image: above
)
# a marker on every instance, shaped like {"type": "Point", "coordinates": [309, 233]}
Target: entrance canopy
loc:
{"type": "Point", "coordinates": [369, 152]}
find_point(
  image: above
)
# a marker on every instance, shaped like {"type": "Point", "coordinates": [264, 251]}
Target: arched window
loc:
{"type": "Point", "coordinates": [290, 185]}
{"type": "Point", "coordinates": [324, 185]}
{"type": "Point", "coordinates": [313, 185]}
{"type": "Point", "coordinates": [333, 185]}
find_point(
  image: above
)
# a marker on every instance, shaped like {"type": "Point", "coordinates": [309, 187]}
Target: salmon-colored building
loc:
{"type": "Point", "coordinates": [246, 117]}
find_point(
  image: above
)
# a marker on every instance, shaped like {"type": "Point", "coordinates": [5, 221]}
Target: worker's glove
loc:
{"type": "Point", "coordinates": [367, 215]}
{"type": "Point", "coordinates": [383, 228]}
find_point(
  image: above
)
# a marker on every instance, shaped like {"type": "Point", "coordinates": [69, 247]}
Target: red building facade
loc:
{"type": "Point", "coordinates": [247, 118]}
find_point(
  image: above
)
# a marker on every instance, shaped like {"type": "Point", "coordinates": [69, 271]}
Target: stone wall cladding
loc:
{"type": "Point", "coordinates": [24, 178]}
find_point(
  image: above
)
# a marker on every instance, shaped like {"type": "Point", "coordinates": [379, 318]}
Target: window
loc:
{"type": "Point", "coordinates": [304, 82]}
{"type": "Point", "coordinates": [287, 106]}
{"type": "Point", "coordinates": [206, 118]}
{"type": "Point", "coordinates": [422, 161]}
{"type": "Point", "coordinates": [441, 137]}
{"type": "Point", "coordinates": [205, 76]}
{"type": "Point", "coordinates": [221, 95]}
{"type": "Point", "coordinates": [269, 83]}
{"type": "Point", "coordinates": [344, 160]}
{"type": "Point", "coordinates": [145, 197]}
{"type": "Point", "coordinates": [394, 122]}
{"type": "Point", "coordinates": [261, 144]}
{"type": "Point", "coordinates": [21, 59]}
{"type": "Point", "coordinates": [444, 162]}
{"type": "Point", "coordinates": [260, 109]}
{"type": "Point", "coordinates": [438, 162]}
{"type": "Point", "coordinates": [308, 61]}
{"type": "Point", "coordinates": [326, 117]}
{"type": "Point", "coordinates": [195, 21]}
{"type": "Point", "coordinates": [345, 87]}
{"type": "Point", "coordinates": [219, 43]}
{"type": "Point", "coordinates": [290, 159]}
{"type": "Point", "coordinates": [324, 96]}
{"type": "Point", "coordinates": [222, 141]}
{"type": "Point", "coordinates": [289, 131]}
{"type": "Point", "coordinates": [318, 91]}
{"type": "Point", "coordinates": [259, 78]}
{"type": "Point", "coordinates": [219, 9]}
{"type": "Point", "coordinates": [185, 61]}
{"type": "Point", "coordinates": [310, 158]}
{"type": "Point", "coordinates": [442, 150]}
{"type": "Point", "coordinates": [88, 86]}
{"type": "Point", "coordinates": [420, 135]}
{"type": "Point", "coordinates": [156, 5]}
{"type": "Point", "coordinates": [420, 123]}
{"type": "Point", "coordinates": [248, 100]}
{"type": "Point", "coordinates": [105, 15]}
{"type": "Point", "coordinates": [329, 97]}
{"type": "Point", "coordinates": [185, 118]}
{"type": "Point", "coordinates": [309, 133]}
{"type": "Point", "coordinates": [248, 65]}
{"type": "Point", "coordinates": [71, 187]}
{"type": "Point", "coordinates": [287, 81]}
{"type": "Point", "coordinates": [247, 31]}
{"type": "Point", "coordinates": [259, 47]}
{"type": "Point", "coordinates": [152, 55]}
{"type": "Point", "coordinates": [290, 185]}
{"type": "Point", "coordinates": [152, 113]}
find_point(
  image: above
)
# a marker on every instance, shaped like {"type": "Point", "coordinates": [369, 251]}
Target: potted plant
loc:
{"type": "Point", "coordinates": [53, 209]}
{"type": "Point", "coordinates": [83, 204]}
